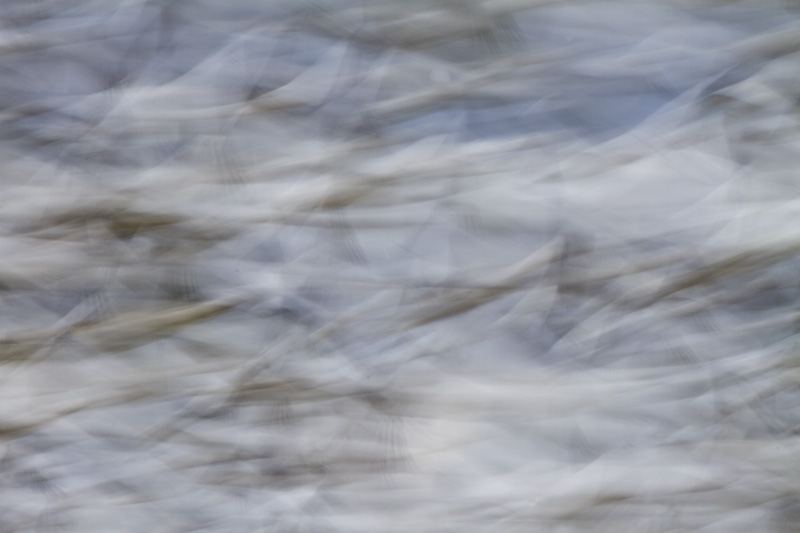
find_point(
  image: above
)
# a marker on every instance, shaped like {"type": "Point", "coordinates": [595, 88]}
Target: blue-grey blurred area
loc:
{"type": "Point", "coordinates": [399, 266]}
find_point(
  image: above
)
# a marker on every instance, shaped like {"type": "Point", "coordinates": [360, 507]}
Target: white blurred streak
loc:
{"type": "Point", "coordinates": [491, 265]}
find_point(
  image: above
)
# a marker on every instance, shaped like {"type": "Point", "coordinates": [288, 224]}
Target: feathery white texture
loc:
{"type": "Point", "coordinates": [507, 265]}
